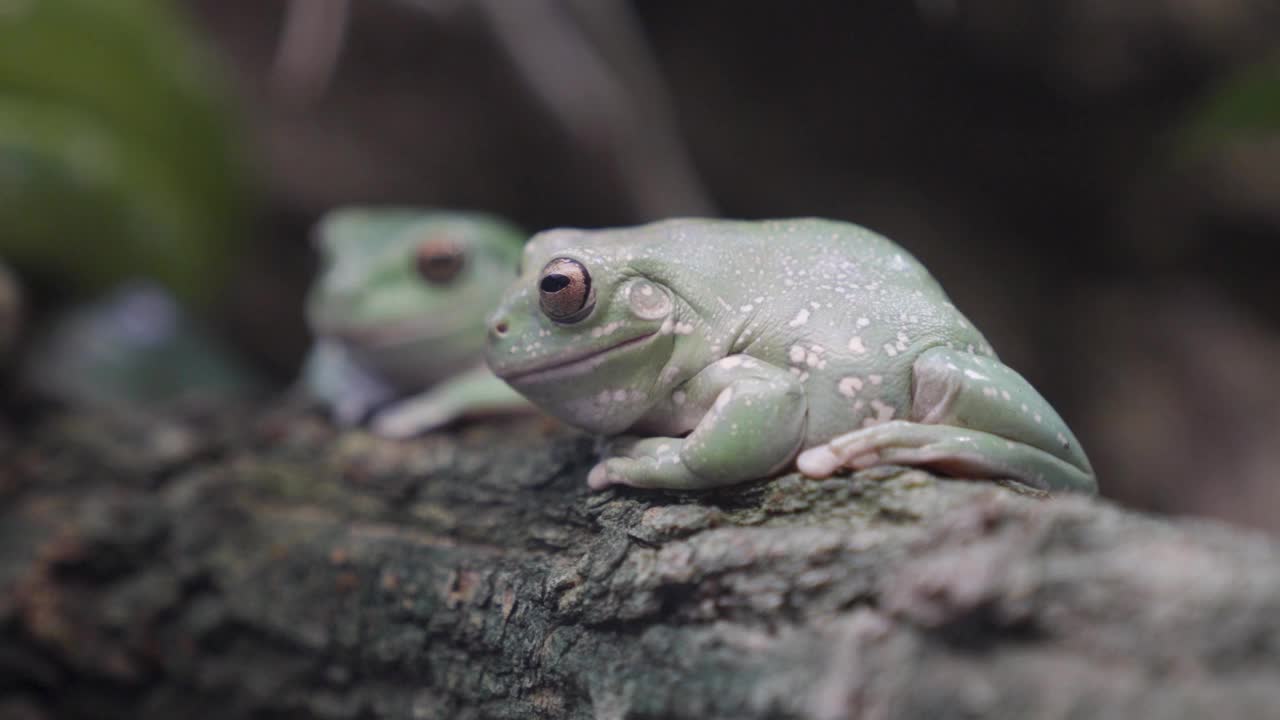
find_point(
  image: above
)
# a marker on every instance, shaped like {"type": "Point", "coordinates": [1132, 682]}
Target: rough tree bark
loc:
{"type": "Point", "coordinates": [199, 569]}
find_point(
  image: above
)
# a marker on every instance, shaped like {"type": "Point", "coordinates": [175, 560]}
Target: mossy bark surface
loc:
{"type": "Point", "coordinates": [208, 567]}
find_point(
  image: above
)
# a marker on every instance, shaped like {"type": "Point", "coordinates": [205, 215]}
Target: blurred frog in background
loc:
{"type": "Point", "coordinates": [135, 349]}
{"type": "Point", "coordinates": [398, 312]}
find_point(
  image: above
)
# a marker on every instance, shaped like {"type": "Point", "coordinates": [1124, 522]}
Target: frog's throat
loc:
{"type": "Point", "coordinates": [572, 367]}
{"type": "Point", "coordinates": [405, 332]}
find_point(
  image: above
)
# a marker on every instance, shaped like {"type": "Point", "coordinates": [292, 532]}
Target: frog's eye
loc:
{"type": "Point", "coordinates": [564, 291]}
{"type": "Point", "coordinates": [438, 260]}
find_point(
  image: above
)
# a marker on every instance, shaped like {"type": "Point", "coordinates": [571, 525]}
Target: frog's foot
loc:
{"type": "Point", "coordinates": [950, 450]}
{"type": "Point", "coordinates": [410, 418]}
{"type": "Point", "coordinates": [644, 463]}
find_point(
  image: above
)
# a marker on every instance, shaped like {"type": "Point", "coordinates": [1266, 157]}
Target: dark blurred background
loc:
{"type": "Point", "coordinates": [1095, 182]}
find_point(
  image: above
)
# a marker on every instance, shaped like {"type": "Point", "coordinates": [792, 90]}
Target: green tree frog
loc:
{"type": "Point", "coordinates": [398, 312]}
{"type": "Point", "coordinates": [722, 351]}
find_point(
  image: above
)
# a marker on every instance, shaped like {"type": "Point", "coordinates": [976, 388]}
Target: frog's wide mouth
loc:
{"type": "Point", "coordinates": [569, 367]}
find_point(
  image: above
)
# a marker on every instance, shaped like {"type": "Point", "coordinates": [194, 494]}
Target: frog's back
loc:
{"type": "Point", "coordinates": [789, 264]}
{"type": "Point", "coordinates": [793, 252]}
{"type": "Point", "coordinates": [843, 308]}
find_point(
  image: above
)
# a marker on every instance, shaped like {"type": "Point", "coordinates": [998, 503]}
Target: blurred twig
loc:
{"type": "Point", "coordinates": [589, 66]}
{"type": "Point", "coordinates": [310, 44]}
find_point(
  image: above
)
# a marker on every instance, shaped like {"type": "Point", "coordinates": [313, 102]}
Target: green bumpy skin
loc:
{"type": "Point", "coordinates": [723, 351]}
{"type": "Point", "coordinates": [398, 312]}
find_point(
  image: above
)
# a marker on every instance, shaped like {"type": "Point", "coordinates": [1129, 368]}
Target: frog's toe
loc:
{"type": "Point", "coordinates": [599, 478]}
{"type": "Point", "coordinates": [402, 424]}
{"type": "Point", "coordinates": [818, 462]}
{"type": "Point", "coordinates": [618, 471]}
{"type": "Point", "coordinates": [644, 472]}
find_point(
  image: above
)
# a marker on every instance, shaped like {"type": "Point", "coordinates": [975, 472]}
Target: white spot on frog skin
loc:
{"type": "Point", "coordinates": [849, 386]}
{"type": "Point", "coordinates": [678, 397]}
{"type": "Point", "coordinates": [604, 397]}
{"type": "Point", "coordinates": [875, 379]}
{"type": "Point", "coordinates": [884, 413]}
{"type": "Point", "coordinates": [684, 328]}
{"type": "Point", "coordinates": [902, 342]}
{"type": "Point", "coordinates": [1025, 408]}
{"type": "Point", "coordinates": [990, 391]}
{"type": "Point", "coordinates": [797, 354]}
{"type": "Point", "coordinates": [608, 329]}
{"type": "Point", "coordinates": [1038, 418]}
{"type": "Point", "coordinates": [746, 308]}
{"type": "Point", "coordinates": [1063, 439]}
{"type": "Point", "coordinates": [668, 326]}
{"type": "Point", "coordinates": [856, 346]}
{"type": "Point", "coordinates": [1005, 394]}
{"type": "Point", "coordinates": [647, 290]}
{"type": "Point", "coordinates": [801, 318]}
{"type": "Point", "coordinates": [815, 305]}
{"type": "Point", "coordinates": [890, 350]}
{"type": "Point", "coordinates": [731, 362]}
{"type": "Point", "coordinates": [863, 322]}
{"type": "Point", "coordinates": [973, 374]}
{"type": "Point", "coordinates": [620, 395]}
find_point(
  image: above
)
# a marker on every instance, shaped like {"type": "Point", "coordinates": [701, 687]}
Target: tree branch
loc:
{"type": "Point", "coordinates": [199, 568]}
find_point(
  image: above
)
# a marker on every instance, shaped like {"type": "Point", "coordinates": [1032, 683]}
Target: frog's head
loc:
{"type": "Point", "coordinates": [584, 333]}
{"type": "Point", "coordinates": [409, 289]}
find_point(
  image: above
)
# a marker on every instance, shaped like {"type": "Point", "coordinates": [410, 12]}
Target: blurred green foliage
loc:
{"type": "Point", "coordinates": [118, 155]}
{"type": "Point", "coordinates": [1245, 105]}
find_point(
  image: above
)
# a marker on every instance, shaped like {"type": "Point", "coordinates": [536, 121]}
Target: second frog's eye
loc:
{"type": "Point", "coordinates": [438, 260]}
{"type": "Point", "coordinates": [564, 291]}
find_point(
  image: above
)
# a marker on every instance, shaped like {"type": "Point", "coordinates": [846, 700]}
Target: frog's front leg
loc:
{"type": "Point", "coordinates": [753, 426]}
{"type": "Point", "coordinates": [333, 377]}
{"type": "Point", "coordinates": [475, 392]}
{"type": "Point", "coordinates": [970, 416]}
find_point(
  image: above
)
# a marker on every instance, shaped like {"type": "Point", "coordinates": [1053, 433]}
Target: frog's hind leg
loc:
{"type": "Point", "coordinates": [970, 416]}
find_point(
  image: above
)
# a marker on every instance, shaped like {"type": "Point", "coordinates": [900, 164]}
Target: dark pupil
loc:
{"type": "Point", "coordinates": [555, 283]}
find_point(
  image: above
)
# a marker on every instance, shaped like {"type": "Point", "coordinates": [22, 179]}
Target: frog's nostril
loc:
{"type": "Point", "coordinates": [500, 328]}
